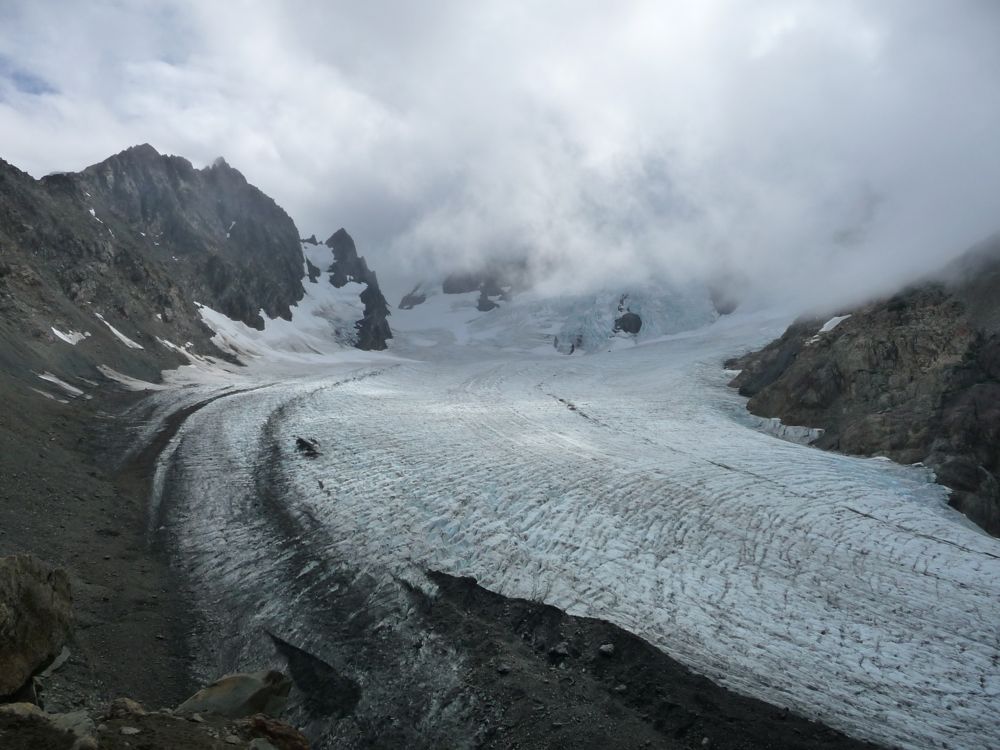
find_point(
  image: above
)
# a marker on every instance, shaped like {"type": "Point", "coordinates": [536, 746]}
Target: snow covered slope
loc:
{"type": "Point", "coordinates": [531, 321]}
{"type": "Point", "coordinates": [629, 486]}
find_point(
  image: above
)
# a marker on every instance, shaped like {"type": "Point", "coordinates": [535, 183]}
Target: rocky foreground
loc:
{"type": "Point", "coordinates": [914, 377]}
{"type": "Point", "coordinates": [36, 626]}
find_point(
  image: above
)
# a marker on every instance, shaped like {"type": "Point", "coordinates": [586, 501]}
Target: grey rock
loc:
{"type": "Point", "coordinates": [461, 283]}
{"type": "Point", "coordinates": [121, 707]}
{"type": "Point", "coordinates": [412, 298]}
{"type": "Point", "coordinates": [628, 323]}
{"type": "Point", "coordinates": [241, 694]}
{"type": "Point", "coordinates": [223, 229]}
{"type": "Point", "coordinates": [35, 618]}
{"type": "Point", "coordinates": [373, 329]}
{"type": "Point", "coordinates": [485, 304]}
{"type": "Point", "coordinates": [915, 377]}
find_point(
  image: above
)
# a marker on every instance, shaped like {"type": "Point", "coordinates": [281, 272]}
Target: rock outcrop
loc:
{"type": "Point", "coordinates": [35, 618]}
{"type": "Point", "coordinates": [126, 724]}
{"type": "Point", "coordinates": [373, 329]}
{"type": "Point", "coordinates": [105, 268]}
{"type": "Point", "coordinates": [628, 323]}
{"type": "Point", "coordinates": [915, 377]}
{"type": "Point", "coordinates": [240, 695]}
{"type": "Point", "coordinates": [497, 280]}
{"type": "Point", "coordinates": [102, 266]}
{"type": "Point", "coordinates": [411, 299]}
{"type": "Point", "coordinates": [484, 303]}
{"type": "Point", "coordinates": [214, 230]}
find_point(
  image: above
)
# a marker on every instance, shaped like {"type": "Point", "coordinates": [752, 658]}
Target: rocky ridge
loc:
{"type": "Point", "coordinates": [106, 267]}
{"type": "Point", "coordinates": [914, 377]}
{"type": "Point", "coordinates": [373, 329]}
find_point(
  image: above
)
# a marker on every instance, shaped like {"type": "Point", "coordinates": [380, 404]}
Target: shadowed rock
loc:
{"type": "Point", "coordinates": [629, 323]}
{"type": "Point", "coordinates": [373, 329]}
{"type": "Point", "coordinates": [35, 618]}
{"type": "Point", "coordinates": [412, 299]}
{"type": "Point", "coordinates": [915, 377]}
{"type": "Point", "coordinates": [326, 691]}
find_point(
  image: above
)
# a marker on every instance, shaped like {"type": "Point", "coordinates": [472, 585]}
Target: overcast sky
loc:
{"type": "Point", "coordinates": [829, 146]}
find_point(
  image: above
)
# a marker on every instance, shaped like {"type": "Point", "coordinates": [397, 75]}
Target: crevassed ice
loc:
{"type": "Point", "coordinates": [620, 486]}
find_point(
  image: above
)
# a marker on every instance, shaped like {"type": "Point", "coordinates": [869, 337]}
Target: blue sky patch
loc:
{"type": "Point", "coordinates": [24, 80]}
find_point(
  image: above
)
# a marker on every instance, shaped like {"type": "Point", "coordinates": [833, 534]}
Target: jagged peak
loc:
{"type": "Point", "coordinates": [141, 150]}
{"type": "Point", "coordinates": [340, 237]}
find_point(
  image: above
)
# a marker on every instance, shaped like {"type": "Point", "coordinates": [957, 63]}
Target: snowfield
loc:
{"type": "Point", "coordinates": [628, 485]}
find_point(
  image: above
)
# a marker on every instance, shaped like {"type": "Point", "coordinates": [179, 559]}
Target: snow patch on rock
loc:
{"type": "Point", "coordinates": [70, 337]}
{"type": "Point", "coordinates": [118, 334]}
{"type": "Point", "coordinates": [72, 390]}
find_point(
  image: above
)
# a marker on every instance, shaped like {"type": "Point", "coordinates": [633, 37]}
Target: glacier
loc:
{"type": "Point", "coordinates": [627, 484]}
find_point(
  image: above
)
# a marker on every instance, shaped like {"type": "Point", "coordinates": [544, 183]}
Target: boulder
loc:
{"type": "Point", "coordinates": [275, 734]}
{"type": "Point", "coordinates": [26, 725]}
{"type": "Point", "coordinates": [629, 323]}
{"type": "Point", "coordinates": [307, 447]}
{"type": "Point", "coordinates": [122, 707]}
{"type": "Point", "coordinates": [412, 298]}
{"type": "Point", "coordinates": [35, 618]}
{"type": "Point", "coordinates": [485, 304]}
{"type": "Point", "coordinates": [241, 694]}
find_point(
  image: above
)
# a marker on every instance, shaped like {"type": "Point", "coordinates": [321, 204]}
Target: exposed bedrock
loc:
{"type": "Point", "coordinates": [35, 618]}
{"type": "Point", "coordinates": [217, 231]}
{"type": "Point", "coordinates": [915, 377]}
{"type": "Point", "coordinates": [373, 329]}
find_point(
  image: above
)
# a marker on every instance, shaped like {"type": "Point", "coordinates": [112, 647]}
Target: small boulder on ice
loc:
{"type": "Point", "coordinates": [412, 298]}
{"type": "Point", "coordinates": [307, 447]}
{"type": "Point", "coordinates": [485, 304]}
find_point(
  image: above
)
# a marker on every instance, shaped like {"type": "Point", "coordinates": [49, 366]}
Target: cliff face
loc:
{"type": "Point", "coordinates": [373, 328]}
{"type": "Point", "coordinates": [62, 266]}
{"type": "Point", "coordinates": [915, 377]}
{"type": "Point", "coordinates": [214, 231]}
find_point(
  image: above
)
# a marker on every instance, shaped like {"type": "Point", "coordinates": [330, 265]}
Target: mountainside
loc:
{"type": "Point", "coordinates": [915, 377]}
{"type": "Point", "coordinates": [107, 267]}
{"type": "Point", "coordinates": [214, 230]}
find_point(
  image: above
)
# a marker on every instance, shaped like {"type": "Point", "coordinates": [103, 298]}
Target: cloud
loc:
{"type": "Point", "coordinates": [818, 150]}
